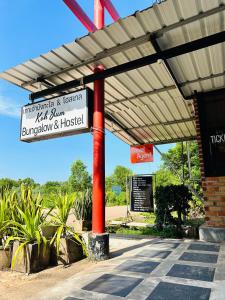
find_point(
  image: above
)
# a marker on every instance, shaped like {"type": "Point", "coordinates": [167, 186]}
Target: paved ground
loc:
{"type": "Point", "coordinates": [151, 270]}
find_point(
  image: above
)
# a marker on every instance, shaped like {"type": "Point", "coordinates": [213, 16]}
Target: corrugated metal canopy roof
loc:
{"type": "Point", "coordinates": [143, 105]}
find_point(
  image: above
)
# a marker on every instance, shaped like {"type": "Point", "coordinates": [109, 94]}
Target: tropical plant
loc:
{"type": "Point", "coordinates": [83, 205]}
{"type": "Point", "coordinates": [4, 213]}
{"type": "Point", "coordinates": [27, 217]}
{"type": "Point", "coordinates": [64, 205]}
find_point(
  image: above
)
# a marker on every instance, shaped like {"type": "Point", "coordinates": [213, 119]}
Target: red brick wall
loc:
{"type": "Point", "coordinates": [213, 187]}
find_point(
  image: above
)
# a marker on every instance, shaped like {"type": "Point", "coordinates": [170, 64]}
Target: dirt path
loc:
{"type": "Point", "coordinates": [19, 286]}
{"type": "Point", "coordinates": [115, 212]}
{"type": "Point", "coordinates": [111, 213]}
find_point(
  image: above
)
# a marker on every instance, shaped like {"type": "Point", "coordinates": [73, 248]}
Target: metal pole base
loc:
{"type": "Point", "coordinates": [98, 246]}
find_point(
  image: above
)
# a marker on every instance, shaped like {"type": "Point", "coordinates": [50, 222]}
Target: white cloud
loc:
{"type": "Point", "coordinates": [8, 108]}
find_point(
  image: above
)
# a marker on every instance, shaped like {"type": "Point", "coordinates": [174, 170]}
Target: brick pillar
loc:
{"type": "Point", "coordinates": [214, 196]}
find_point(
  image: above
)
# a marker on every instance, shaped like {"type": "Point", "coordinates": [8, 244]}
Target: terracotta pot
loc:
{"type": "Point", "coordinates": [28, 259]}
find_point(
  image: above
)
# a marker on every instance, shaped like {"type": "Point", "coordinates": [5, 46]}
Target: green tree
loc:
{"type": "Point", "coordinates": [119, 177]}
{"type": "Point", "coordinates": [179, 161]}
{"type": "Point", "coordinates": [51, 187]}
{"type": "Point", "coordinates": [8, 183]}
{"type": "Point", "coordinates": [79, 180]}
{"type": "Point", "coordinates": [28, 182]}
{"type": "Point", "coordinates": [165, 177]}
{"type": "Point", "coordinates": [176, 159]}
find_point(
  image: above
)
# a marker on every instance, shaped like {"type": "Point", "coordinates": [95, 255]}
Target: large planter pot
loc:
{"type": "Point", "coordinates": [48, 231]}
{"type": "Point", "coordinates": [5, 258]}
{"type": "Point", "coordinates": [28, 259]}
{"type": "Point", "coordinates": [70, 251]}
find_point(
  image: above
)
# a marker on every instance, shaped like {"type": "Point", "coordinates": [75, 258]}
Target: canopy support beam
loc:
{"type": "Point", "coordinates": [166, 65]}
{"type": "Point", "coordinates": [135, 64]}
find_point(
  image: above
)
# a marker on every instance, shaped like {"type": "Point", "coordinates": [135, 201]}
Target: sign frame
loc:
{"type": "Point", "coordinates": [86, 129]}
{"type": "Point", "coordinates": [151, 199]}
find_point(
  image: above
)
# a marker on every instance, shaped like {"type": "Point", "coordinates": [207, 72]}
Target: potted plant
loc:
{"type": "Point", "coordinates": [5, 252]}
{"type": "Point", "coordinates": [83, 210]}
{"type": "Point", "coordinates": [49, 229]}
{"type": "Point", "coordinates": [68, 244]}
{"type": "Point", "coordinates": [31, 249]}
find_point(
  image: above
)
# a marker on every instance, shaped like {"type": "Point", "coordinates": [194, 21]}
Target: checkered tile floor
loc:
{"type": "Point", "coordinates": [160, 270]}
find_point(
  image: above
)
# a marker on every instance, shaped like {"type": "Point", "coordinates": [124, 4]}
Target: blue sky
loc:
{"type": "Point", "coordinates": [29, 28]}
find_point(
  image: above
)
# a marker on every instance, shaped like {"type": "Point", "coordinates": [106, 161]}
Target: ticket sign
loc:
{"type": "Point", "coordinates": [62, 116]}
{"type": "Point", "coordinates": [212, 126]}
{"type": "Point", "coordinates": [141, 153]}
{"type": "Point", "coordinates": [141, 194]}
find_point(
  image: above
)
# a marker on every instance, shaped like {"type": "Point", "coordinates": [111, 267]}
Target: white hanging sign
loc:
{"type": "Point", "coordinates": [62, 116]}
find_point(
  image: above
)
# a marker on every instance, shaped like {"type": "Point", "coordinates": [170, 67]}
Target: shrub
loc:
{"type": "Point", "coordinates": [170, 199]}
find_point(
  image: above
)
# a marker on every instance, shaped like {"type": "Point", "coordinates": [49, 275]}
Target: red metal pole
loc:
{"type": "Point", "coordinates": [80, 14]}
{"type": "Point", "coordinates": [99, 16]}
{"type": "Point", "coordinates": [111, 9]}
{"type": "Point", "coordinates": [98, 212]}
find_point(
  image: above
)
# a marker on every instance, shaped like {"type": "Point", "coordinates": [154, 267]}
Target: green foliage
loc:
{"type": "Point", "coordinates": [26, 217]}
{"type": "Point", "coordinates": [165, 175]}
{"type": "Point", "coordinates": [4, 212]}
{"type": "Point", "coordinates": [8, 183]}
{"type": "Point", "coordinates": [113, 200]}
{"type": "Point", "coordinates": [51, 190]}
{"type": "Point", "coordinates": [167, 232]}
{"type": "Point", "coordinates": [79, 179]}
{"type": "Point", "coordinates": [149, 217]}
{"type": "Point", "coordinates": [170, 199]}
{"type": "Point", "coordinates": [60, 215]}
{"type": "Point", "coordinates": [118, 177]}
{"type": "Point", "coordinates": [29, 182]}
{"type": "Point", "coordinates": [174, 156]}
{"type": "Point", "coordinates": [83, 205]}
{"type": "Point", "coordinates": [22, 214]}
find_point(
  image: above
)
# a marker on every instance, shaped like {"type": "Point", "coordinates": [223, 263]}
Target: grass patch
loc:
{"type": "Point", "coordinates": [149, 217]}
{"type": "Point", "coordinates": [167, 232]}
